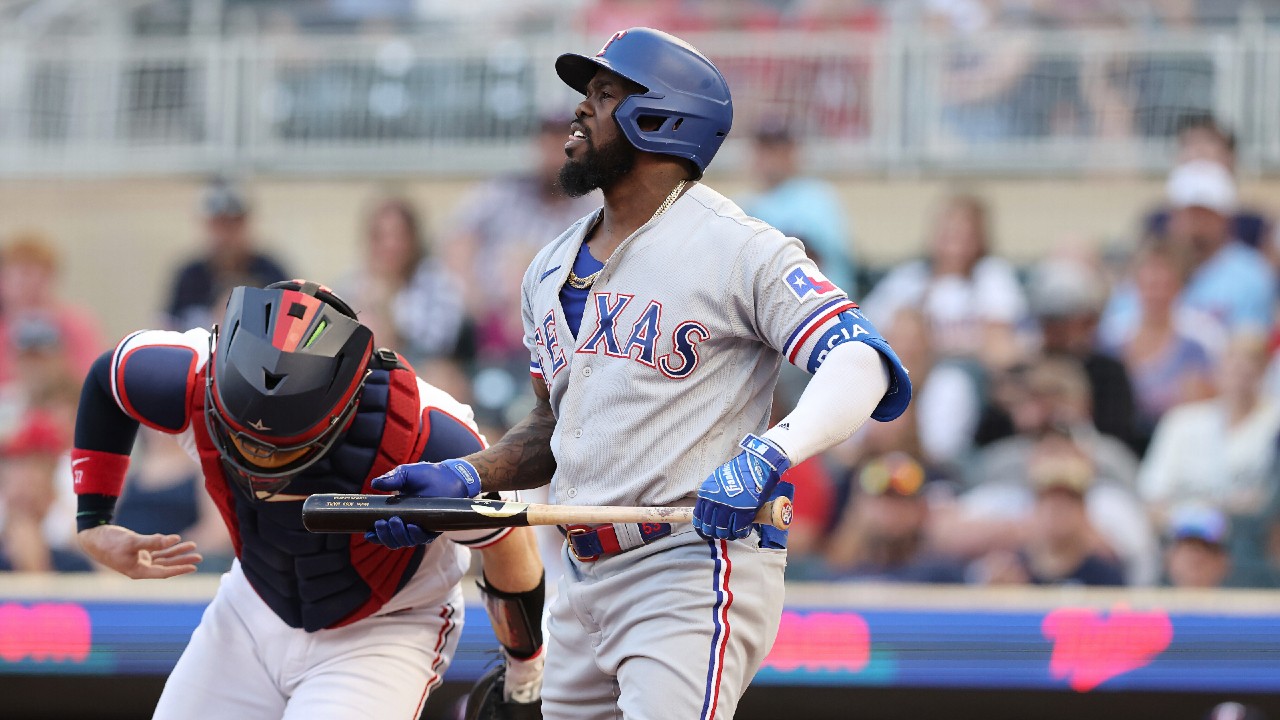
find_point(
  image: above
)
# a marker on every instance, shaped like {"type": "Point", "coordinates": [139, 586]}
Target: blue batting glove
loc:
{"type": "Point", "coordinates": [451, 478]}
{"type": "Point", "coordinates": [396, 533]}
{"type": "Point", "coordinates": [729, 498]}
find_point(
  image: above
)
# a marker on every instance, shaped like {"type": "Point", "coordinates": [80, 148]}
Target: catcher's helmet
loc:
{"type": "Point", "coordinates": [485, 702]}
{"type": "Point", "coordinates": [284, 379]}
{"type": "Point", "coordinates": [682, 88]}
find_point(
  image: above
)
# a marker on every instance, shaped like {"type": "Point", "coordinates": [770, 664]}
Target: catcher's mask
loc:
{"type": "Point", "coordinates": [284, 381]}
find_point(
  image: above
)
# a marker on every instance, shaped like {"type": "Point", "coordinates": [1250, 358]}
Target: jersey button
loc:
{"type": "Point", "coordinates": [577, 433]}
{"type": "Point", "coordinates": [586, 371]}
{"type": "Point", "coordinates": [572, 492]}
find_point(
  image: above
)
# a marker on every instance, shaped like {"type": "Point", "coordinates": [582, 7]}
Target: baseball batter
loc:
{"type": "Point", "coordinates": [287, 399]}
{"type": "Point", "coordinates": [656, 328]}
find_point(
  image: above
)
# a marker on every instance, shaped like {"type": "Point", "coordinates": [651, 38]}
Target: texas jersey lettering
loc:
{"type": "Point", "coordinates": [684, 340]}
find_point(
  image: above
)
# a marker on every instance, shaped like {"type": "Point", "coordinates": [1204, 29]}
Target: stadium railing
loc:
{"type": "Point", "coordinates": [892, 102]}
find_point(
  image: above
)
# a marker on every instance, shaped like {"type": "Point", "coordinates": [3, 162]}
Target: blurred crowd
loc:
{"type": "Point", "coordinates": [1096, 418]}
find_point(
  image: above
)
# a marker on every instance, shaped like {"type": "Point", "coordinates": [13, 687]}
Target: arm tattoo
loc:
{"type": "Point", "coordinates": [522, 459]}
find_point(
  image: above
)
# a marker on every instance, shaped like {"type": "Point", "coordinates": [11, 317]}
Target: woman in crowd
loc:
{"type": "Point", "coordinates": [972, 299]}
{"type": "Point", "coordinates": [1167, 366]}
{"type": "Point", "coordinates": [405, 295]}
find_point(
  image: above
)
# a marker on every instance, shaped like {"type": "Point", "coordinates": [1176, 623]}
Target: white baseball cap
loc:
{"type": "Point", "coordinates": [1063, 288]}
{"type": "Point", "coordinates": [1202, 183]}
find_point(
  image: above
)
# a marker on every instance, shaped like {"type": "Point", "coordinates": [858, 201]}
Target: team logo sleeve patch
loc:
{"type": "Point", "coordinates": [803, 281]}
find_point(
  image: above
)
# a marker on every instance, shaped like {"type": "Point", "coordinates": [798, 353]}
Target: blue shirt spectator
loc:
{"type": "Point", "coordinates": [1229, 281]}
{"type": "Point", "coordinates": [802, 207]}
{"type": "Point", "coordinates": [200, 287]}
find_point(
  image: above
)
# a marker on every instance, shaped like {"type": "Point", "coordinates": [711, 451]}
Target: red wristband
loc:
{"type": "Point", "coordinates": [98, 473]}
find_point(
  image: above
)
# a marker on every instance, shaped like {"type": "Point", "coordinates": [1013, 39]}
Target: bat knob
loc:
{"type": "Point", "coordinates": [781, 514]}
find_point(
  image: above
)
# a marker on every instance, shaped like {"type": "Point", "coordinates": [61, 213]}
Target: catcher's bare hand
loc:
{"type": "Point", "coordinates": [139, 556]}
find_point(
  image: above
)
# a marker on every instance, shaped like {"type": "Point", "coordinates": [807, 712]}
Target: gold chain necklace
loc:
{"type": "Point", "coordinates": [586, 282]}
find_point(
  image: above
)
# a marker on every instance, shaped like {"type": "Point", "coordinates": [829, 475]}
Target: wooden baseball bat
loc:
{"type": "Point", "coordinates": [328, 513]}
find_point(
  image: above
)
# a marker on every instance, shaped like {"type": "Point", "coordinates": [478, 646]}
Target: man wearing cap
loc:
{"type": "Point", "coordinates": [1229, 281]}
{"type": "Point", "coordinates": [1066, 297]}
{"type": "Point", "coordinates": [28, 494]}
{"type": "Point", "coordinates": [802, 207]}
{"type": "Point", "coordinates": [229, 260]}
{"type": "Point", "coordinates": [1202, 137]}
{"type": "Point", "coordinates": [1197, 556]}
{"type": "Point", "coordinates": [882, 534]}
{"type": "Point", "coordinates": [1061, 547]}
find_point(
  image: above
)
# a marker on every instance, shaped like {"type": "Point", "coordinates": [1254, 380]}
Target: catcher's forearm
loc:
{"type": "Point", "coordinates": [522, 459]}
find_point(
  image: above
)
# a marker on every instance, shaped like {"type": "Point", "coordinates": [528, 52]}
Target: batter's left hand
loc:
{"type": "Point", "coordinates": [396, 533]}
{"type": "Point", "coordinates": [729, 498]}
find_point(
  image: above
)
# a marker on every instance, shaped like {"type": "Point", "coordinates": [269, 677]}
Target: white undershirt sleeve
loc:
{"type": "Point", "coordinates": [839, 398]}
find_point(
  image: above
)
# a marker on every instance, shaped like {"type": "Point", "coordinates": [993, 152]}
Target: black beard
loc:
{"type": "Point", "coordinates": [599, 167]}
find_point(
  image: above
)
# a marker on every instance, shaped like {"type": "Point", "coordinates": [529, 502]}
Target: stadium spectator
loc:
{"type": "Point", "coordinates": [498, 229]}
{"type": "Point", "coordinates": [800, 206]}
{"type": "Point", "coordinates": [404, 293]}
{"type": "Point", "coordinates": [1218, 451]}
{"type": "Point", "coordinates": [1048, 398]}
{"type": "Point", "coordinates": [881, 534]}
{"type": "Point", "coordinates": [45, 387]}
{"type": "Point", "coordinates": [229, 260]}
{"type": "Point", "coordinates": [947, 400]}
{"type": "Point", "coordinates": [1169, 365]}
{"type": "Point", "coordinates": [1229, 281]}
{"type": "Point", "coordinates": [1047, 395]}
{"type": "Point", "coordinates": [983, 72]}
{"type": "Point", "coordinates": [1197, 555]}
{"type": "Point", "coordinates": [30, 268]}
{"type": "Point", "coordinates": [1061, 545]}
{"type": "Point", "coordinates": [973, 299]}
{"type": "Point", "coordinates": [28, 491]}
{"type": "Point", "coordinates": [1066, 297]}
{"type": "Point", "coordinates": [39, 364]}
{"type": "Point", "coordinates": [1201, 137]}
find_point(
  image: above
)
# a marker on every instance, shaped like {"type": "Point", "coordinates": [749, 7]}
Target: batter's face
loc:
{"type": "Point", "coordinates": [597, 153]}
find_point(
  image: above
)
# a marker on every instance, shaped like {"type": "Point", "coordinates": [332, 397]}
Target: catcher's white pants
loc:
{"type": "Point", "coordinates": [244, 663]}
{"type": "Point", "coordinates": [671, 630]}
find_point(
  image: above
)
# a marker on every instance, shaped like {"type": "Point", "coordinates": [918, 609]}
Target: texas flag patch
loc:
{"type": "Point", "coordinates": [802, 283]}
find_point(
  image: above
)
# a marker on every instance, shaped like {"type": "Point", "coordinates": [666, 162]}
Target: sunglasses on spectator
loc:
{"type": "Point", "coordinates": [895, 473]}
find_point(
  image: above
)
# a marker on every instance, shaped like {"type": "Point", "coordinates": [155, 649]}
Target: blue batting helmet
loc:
{"type": "Point", "coordinates": [682, 89]}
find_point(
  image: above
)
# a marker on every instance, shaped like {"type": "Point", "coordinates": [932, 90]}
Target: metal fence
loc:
{"type": "Point", "coordinates": [896, 102]}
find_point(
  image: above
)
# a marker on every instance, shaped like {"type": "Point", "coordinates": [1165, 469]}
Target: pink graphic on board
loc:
{"type": "Point", "coordinates": [820, 641]}
{"type": "Point", "coordinates": [45, 632]}
{"type": "Point", "coordinates": [1091, 647]}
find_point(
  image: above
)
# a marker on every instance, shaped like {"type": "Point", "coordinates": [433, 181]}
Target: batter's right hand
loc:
{"type": "Point", "coordinates": [451, 478]}
{"type": "Point", "coordinates": [139, 556]}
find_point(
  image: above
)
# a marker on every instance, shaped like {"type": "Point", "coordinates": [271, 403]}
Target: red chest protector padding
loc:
{"type": "Point", "coordinates": [316, 581]}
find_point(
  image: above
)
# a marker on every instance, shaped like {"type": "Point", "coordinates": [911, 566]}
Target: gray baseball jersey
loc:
{"type": "Point", "coordinates": [678, 351]}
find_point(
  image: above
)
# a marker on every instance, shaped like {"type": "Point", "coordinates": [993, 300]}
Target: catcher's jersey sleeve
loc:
{"type": "Point", "coordinates": [153, 376]}
{"type": "Point", "coordinates": [451, 432]}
